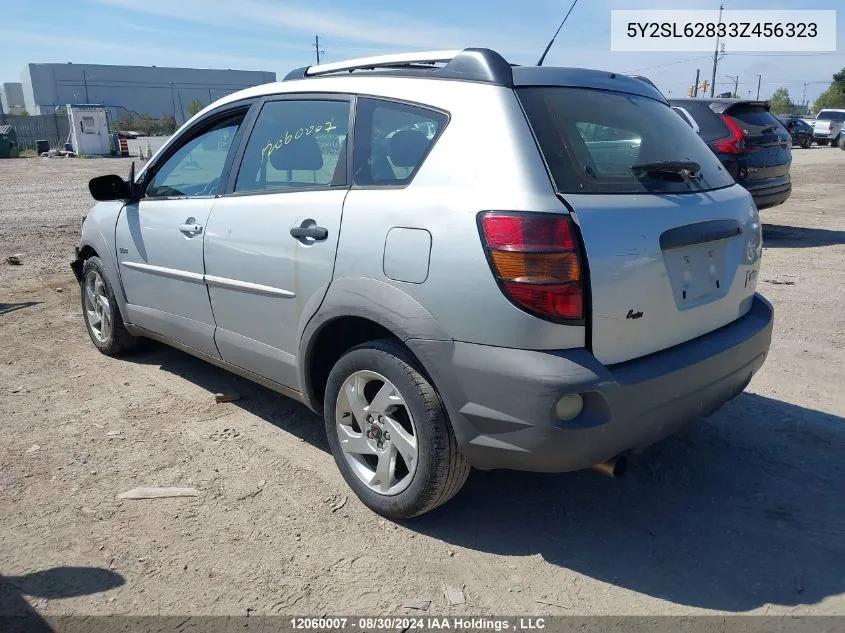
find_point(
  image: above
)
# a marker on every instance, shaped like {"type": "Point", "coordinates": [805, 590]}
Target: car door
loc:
{"type": "Point", "coordinates": [159, 237]}
{"type": "Point", "coordinates": [271, 239]}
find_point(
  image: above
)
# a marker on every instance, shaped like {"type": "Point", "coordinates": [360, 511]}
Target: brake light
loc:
{"type": "Point", "coordinates": [535, 259]}
{"type": "Point", "coordinates": [735, 143]}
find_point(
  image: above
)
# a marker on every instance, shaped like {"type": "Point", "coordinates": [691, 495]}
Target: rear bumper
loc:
{"type": "Point", "coordinates": [765, 197]}
{"type": "Point", "coordinates": [501, 401]}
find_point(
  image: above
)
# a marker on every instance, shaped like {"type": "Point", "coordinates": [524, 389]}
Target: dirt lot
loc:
{"type": "Point", "coordinates": [743, 512]}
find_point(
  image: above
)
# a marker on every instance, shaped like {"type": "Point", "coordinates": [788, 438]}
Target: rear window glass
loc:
{"type": "Point", "coordinates": [595, 142]}
{"type": "Point", "coordinates": [753, 117]}
{"type": "Point", "coordinates": [831, 115]}
{"type": "Point", "coordinates": [711, 125]}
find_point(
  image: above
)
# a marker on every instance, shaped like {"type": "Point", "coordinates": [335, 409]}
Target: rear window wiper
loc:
{"type": "Point", "coordinates": [686, 169]}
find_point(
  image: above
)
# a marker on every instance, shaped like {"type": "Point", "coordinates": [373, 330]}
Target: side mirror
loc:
{"type": "Point", "coordinates": [109, 187]}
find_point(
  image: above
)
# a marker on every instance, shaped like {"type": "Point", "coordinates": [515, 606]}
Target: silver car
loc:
{"type": "Point", "coordinates": [456, 262]}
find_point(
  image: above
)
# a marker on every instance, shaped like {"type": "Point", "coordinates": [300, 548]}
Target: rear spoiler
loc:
{"type": "Point", "coordinates": [720, 107]}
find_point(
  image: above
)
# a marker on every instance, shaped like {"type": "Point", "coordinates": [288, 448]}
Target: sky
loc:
{"type": "Point", "coordinates": [278, 35]}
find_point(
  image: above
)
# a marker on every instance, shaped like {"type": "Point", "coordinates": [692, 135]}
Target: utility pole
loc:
{"type": "Point", "coordinates": [715, 57]}
{"type": "Point", "coordinates": [759, 79]}
{"type": "Point", "coordinates": [736, 84]}
{"type": "Point", "coordinates": [317, 48]}
{"type": "Point", "coordinates": [697, 74]}
{"type": "Point", "coordinates": [85, 81]}
{"type": "Point", "coordinates": [804, 98]}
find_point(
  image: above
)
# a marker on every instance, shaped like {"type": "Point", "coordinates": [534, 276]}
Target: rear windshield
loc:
{"type": "Point", "coordinates": [594, 142]}
{"type": "Point", "coordinates": [756, 118]}
{"type": "Point", "coordinates": [831, 115]}
{"type": "Point", "coordinates": [710, 124]}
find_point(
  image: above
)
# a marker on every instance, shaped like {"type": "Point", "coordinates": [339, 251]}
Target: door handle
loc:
{"type": "Point", "coordinates": [314, 232]}
{"type": "Point", "coordinates": [191, 227]}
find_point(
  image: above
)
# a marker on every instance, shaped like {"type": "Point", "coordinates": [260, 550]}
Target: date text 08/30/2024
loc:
{"type": "Point", "coordinates": [417, 623]}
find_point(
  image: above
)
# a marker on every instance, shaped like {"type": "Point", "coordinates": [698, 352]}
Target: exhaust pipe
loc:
{"type": "Point", "coordinates": [613, 467]}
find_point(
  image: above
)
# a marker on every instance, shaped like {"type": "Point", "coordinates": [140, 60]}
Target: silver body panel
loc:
{"type": "Point", "coordinates": [245, 292]}
{"type": "Point", "coordinates": [271, 276]}
{"type": "Point", "coordinates": [162, 269]}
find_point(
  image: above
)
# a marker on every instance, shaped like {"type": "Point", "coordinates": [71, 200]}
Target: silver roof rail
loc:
{"type": "Point", "coordinates": [384, 61]}
{"type": "Point", "coordinates": [469, 64]}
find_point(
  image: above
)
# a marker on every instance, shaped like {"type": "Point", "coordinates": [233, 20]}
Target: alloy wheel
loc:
{"type": "Point", "coordinates": [97, 307]}
{"type": "Point", "coordinates": [377, 433]}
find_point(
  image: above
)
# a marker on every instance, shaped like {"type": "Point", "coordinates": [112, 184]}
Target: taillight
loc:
{"type": "Point", "coordinates": [535, 259]}
{"type": "Point", "coordinates": [735, 143]}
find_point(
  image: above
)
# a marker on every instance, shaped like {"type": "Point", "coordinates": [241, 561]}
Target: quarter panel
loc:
{"type": "Point", "coordinates": [486, 159]}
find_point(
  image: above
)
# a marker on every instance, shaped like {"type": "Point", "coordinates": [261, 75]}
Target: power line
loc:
{"type": "Point", "coordinates": [682, 61]}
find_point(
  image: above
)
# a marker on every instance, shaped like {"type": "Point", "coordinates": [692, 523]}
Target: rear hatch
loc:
{"type": "Point", "coordinates": [672, 245]}
{"type": "Point", "coordinates": [765, 144]}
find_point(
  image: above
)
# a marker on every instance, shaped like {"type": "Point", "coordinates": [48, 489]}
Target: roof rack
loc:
{"type": "Point", "coordinates": [469, 64]}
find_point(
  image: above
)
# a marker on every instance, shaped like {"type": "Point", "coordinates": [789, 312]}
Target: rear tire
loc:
{"type": "Point", "coordinates": [100, 311]}
{"type": "Point", "coordinates": [822, 142]}
{"type": "Point", "coordinates": [806, 144]}
{"type": "Point", "coordinates": [835, 142]}
{"type": "Point", "coordinates": [376, 390]}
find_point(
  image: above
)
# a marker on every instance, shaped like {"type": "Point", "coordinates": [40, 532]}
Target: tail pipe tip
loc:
{"type": "Point", "coordinates": [615, 467]}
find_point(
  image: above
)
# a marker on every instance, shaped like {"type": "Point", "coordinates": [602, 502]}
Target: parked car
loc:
{"type": "Point", "coordinates": [749, 141]}
{"type": "Point", "coordinates": [800, 131]}
{"type": "Point", "coordinates": [579, 284]}
{"type": "Point", "coordinates": [827, 126]}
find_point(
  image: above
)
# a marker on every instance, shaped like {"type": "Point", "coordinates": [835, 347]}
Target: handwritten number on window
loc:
{"type": "Point", "coordinates": [271, 147]}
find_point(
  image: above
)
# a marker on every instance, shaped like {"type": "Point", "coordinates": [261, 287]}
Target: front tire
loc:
{"type": "Point", "coordinates": [99, 309]}
{"type": "Point", "coordinates": [389, 432]}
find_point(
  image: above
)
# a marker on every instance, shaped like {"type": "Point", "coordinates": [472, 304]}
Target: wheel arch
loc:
{"type": "Point", "coordinates": [354, 311]}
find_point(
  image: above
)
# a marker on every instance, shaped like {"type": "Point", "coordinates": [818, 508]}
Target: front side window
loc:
{"type": "Point", "coordinates": [392, 140]}
{"type": "Point", "coordinates": [196, 167]}
{"type": "Point", "coordinates": [296, 144]}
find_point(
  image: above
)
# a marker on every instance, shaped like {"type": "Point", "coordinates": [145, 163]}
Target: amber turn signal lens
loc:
{"type": "Point", "coordinates": [537, 268]}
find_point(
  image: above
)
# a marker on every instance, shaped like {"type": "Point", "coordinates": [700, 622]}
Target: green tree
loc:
{"type": "Point", "coordinates": [126, 122]}
{"type": "Point", "coordinates": [780, 102]}
{"type": "Point", "coordinates": [166, 124]}
{"type": "Point", "coordinates": [834, 96]}
{"type": "Point", "coordinates": [194, 107]}
{"type": "Point", "coordinates": [145, 122]}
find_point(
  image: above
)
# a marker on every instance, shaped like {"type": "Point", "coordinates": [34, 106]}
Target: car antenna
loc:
{"type": "Point", "coordinates": [552, 41]}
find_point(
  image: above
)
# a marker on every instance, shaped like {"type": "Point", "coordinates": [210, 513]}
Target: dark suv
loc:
{"type": "Point", "coordinates": [752, 144]}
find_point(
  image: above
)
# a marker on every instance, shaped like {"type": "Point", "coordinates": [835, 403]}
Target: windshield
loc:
{"type": "Point", "coordinates": [597, 141]}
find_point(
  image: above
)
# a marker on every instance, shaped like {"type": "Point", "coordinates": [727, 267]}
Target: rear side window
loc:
{"type": "Point", "coordinates": [597, 141]}
{"type": "Point", "coordinates": [296, 144]}
{"type": "Point", "coordinates": [392, 140]}
{"type": "Point", "coordinates": [831, 115]}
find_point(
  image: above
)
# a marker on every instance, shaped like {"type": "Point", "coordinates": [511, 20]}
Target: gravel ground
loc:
{"type": "Point", "coordinates": [741, 513]}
